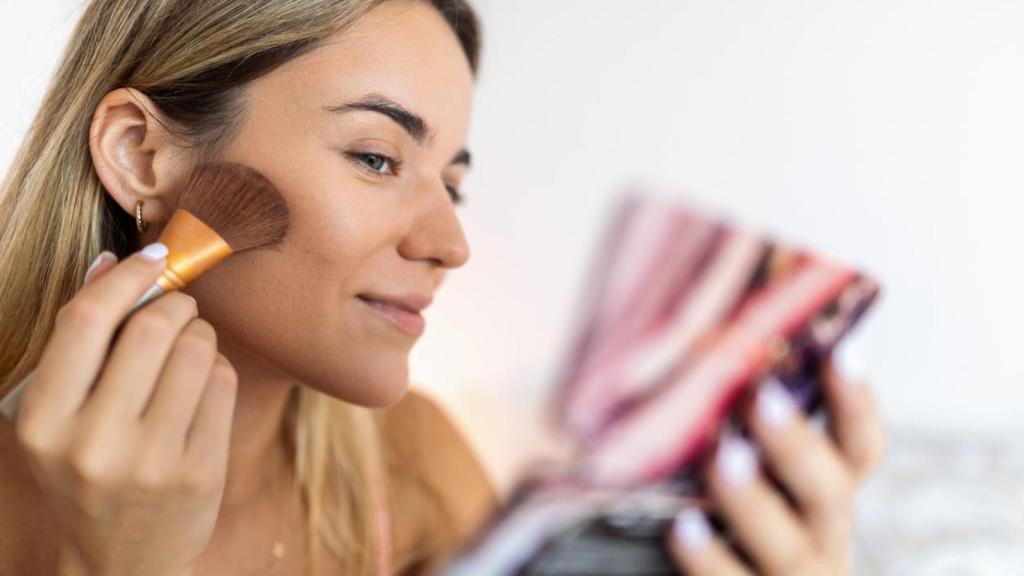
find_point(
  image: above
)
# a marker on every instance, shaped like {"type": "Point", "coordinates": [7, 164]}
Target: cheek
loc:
{"type": "Point", "coordinates": [294, 307]}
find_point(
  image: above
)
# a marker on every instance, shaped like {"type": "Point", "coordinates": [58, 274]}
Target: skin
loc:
{"type": "Point", "coordinates": [359, 231]}
{"type": "Point", "coordinates": [281, 326]}
{"type": "Point", "coordinates": [360, 223]}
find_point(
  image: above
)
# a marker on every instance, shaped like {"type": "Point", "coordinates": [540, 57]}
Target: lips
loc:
{"type": "Point", "coordinates": [409, 321]}
{"type": "Point", "coordinates": [412, 303]}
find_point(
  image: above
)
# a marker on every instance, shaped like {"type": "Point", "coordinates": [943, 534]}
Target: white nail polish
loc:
{"type": "Point", "coordinates": [850, 362]}
{"type": "Point", "coordinates": [155, 251]}
{"type": "Point", "coordinates": [691, 529]}
{"type": "Point", "coordinates": [96, 262]}
{"type": "Point", "coordinates": [736, 461]}
{"type": "Point", "coordinates": [774, 404]}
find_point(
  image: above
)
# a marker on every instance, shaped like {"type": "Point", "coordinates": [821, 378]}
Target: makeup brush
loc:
{"type": "Point", "coordinates": [225, 208]}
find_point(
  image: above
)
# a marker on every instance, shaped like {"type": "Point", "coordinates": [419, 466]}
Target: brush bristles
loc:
{"type": "Point", "coordinates": [239, 203]}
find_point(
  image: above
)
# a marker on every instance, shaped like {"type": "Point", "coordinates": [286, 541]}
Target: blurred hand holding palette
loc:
{"type": "Point", "coordinates": [684, 316]}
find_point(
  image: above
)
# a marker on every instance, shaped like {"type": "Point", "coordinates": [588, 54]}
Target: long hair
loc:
{"type": "Point", "coordinates": [194, 59]}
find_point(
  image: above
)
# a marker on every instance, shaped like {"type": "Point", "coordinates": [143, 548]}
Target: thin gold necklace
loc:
{"type": "Point", "coordinates": [278, 549]}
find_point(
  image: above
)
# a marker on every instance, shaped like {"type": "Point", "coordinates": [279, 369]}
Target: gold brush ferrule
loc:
{"type": "Point", "coordinates": [193, 248]}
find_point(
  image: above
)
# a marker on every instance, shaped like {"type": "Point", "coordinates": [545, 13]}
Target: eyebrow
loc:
{"type": "Point", "coordinates": [411, 122]}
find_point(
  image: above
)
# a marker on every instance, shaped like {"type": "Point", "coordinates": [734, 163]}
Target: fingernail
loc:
{"type": "Point", "coordinates": [774, 404]}
{"type": "Point", "coordinates": [105, 255]}
{"type": "Point", "coordinates": [154, 252]}
{"type": "Point", "coordinates": [691, 529]}
{"type": "Point", "coordinates": [736, 461]}
{"type": "Point", "coordinates": [850, 362]}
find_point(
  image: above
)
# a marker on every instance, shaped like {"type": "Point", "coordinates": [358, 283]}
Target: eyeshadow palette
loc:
{"type": "Point", "coordinates": [684, 316]}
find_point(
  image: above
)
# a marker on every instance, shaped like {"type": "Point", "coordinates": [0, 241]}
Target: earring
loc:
{"type": "Point", "coordinates": [141, 224]}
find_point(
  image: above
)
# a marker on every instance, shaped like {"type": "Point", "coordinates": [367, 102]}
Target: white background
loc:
{"type": "Point", "coordinates": [887, 132]}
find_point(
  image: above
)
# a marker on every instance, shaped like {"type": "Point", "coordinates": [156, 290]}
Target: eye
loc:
{"type": "Point", "coordinates": [376, 163]}
{"type": "Point", "coordinates": [384, 165]}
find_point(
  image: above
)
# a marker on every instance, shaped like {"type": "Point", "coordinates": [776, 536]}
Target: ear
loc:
{"type": "Point", "coordinates": [136, 157]}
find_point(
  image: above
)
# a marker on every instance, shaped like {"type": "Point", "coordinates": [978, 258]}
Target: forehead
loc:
{"type": "Point", "coordinates": [402, 49]}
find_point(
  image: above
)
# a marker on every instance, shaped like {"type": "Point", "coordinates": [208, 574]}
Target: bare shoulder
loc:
{"type": "Point", "coordinates": [27, 535]}
{"type": "Point", "coordinates": [427, 438]}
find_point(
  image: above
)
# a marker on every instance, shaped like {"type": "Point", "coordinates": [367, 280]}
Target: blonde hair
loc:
{"type": "Point", "coordinates": [194, 60]}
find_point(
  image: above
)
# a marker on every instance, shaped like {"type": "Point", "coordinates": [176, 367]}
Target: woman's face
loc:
{"type": "Point", "coordinates": [365, 138]}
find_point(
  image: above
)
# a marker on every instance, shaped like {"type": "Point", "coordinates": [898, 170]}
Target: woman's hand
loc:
{"type": "Point", "coordinates": [820, 471]}
{"type": "Point", "coordinates": [131, 446]}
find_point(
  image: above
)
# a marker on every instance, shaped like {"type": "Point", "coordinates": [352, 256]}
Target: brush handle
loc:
{"type": "Point", "coordinates": [10, 404]}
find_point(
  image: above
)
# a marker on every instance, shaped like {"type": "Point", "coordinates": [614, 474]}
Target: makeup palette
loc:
{"type": "Point", "coordinates": [685, 315]}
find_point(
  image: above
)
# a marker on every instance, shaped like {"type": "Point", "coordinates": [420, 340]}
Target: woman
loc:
{"type": "Point", "coordinates": [266, 457]}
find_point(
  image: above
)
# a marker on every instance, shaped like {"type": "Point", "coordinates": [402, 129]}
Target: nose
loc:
{"type": "Point", "coordinates": [437, 233]}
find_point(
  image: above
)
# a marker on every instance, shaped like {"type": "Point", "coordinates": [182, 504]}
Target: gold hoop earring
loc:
{"type": "Point", "coordinates": [141, 224]}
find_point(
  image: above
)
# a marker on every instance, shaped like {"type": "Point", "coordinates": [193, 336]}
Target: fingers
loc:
{"type": "Point", "coordinates": [698, 550]}
{"type": "Point", "coordinates": [76, 349]}
{"type": "Point", "coordinates": [761, 519]}
{"type": "Point", "coordinates": [208, 439]}
{"type": "Point", "coordinates": [105, 261]}
{"type": "Point", "coordinates": [807, 463]}
{"type": "Point", "coordinates": [811, 534]}
{"type": "Point", "coordinates": [138, 357]}
{"type": "Point", "coordinates": [181, 385]}
{"type": "Point", "coordinates": [854, 421]}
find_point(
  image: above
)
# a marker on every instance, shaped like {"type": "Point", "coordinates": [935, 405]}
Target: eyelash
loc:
{"type": "Point", "coordinates": [361, 160]}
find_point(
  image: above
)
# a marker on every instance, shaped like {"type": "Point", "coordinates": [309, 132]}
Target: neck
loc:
{"type": "Point", "coordinates": [261, 517]}
{"type": "Point", "coordinates": [258, 458]}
